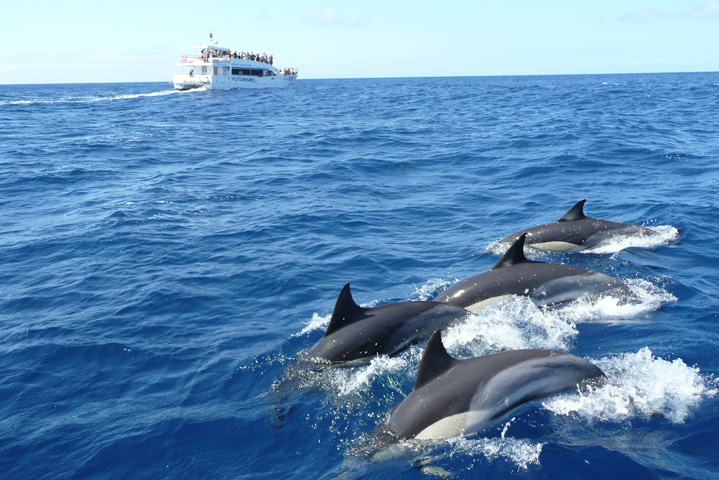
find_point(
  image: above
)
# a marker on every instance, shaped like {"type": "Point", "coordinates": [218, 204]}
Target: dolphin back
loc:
{"type": "Point", "coordinates": [358, 334]}
{"type": "Point", "coordinates": [575, 231]}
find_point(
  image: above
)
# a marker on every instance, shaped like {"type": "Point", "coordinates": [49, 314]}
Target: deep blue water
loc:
{"type": "Point", "coordinates": [166, 257]}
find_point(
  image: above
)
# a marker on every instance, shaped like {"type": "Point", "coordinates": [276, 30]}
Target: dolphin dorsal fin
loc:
{"type": "Point", "coordinates": [435, 361]}
{"type": "Point", "coordinates": [513, 255]}
{"type": "Point", "coordinates": [346, 311]}
{"type": "Point", "coordinates": [574, 213]}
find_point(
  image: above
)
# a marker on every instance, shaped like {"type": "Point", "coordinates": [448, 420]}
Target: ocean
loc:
{"type": "Point", "coordinates": [167, 257]}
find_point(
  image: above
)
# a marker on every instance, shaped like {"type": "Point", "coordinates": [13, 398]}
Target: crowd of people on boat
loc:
{"type": "Point", "coordinates": [208, 53]}
{"type": "Point", "coordinates": [257, 57]}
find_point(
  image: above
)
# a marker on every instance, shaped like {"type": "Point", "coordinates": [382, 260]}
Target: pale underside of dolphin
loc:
{"type": "Point", "coordinates": [460, 397]}
{"type": "Point", "coordinates": [357, 334]}
{"type": "Point", "coordinates": [576, 231]}
{"type": "Point", "coordinates": [543, 282]}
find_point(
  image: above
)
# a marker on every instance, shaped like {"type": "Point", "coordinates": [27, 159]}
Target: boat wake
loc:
{"type": "Point", "coordinates": [89, 99]}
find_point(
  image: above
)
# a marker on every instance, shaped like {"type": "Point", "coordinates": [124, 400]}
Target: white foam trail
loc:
{"type": "Point", "coordinates": [661, 235]}
{"type": "Point", "coordinates": [90, 99]}
{"type": "Point", "coordinates": [614, 309]}
{"type": "Point", "coordinates": [517, 323]}
{"type": "Point", "coordinates": [638, 384]}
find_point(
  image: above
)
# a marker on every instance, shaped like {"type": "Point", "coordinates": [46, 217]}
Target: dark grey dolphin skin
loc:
{"type": "Point", "coordinates": [453, 397]}
{"type": "Point", "coordinates": [544, 283]}
{"type": "Point", "coordinates": [575, 231]}
{"type": "Point", "coordinates": [356, 333]}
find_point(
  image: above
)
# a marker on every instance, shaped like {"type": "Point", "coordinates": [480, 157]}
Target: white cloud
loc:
{"type": "Point", "coordinates": [645, 14]}
{"type": "Point", "coordinates": [709, 10]}
{"type": "Point", "coordinates": [329, 18]}
{"type": "Point", "coordinates": [326, 18]}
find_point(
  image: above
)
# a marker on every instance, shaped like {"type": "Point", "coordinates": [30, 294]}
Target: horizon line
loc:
{"type": "Point", "coordinates": [388, 78]}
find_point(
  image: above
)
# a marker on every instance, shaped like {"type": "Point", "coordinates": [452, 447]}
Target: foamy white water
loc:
{"type": "Point", "coordinates": [638, 384]}
{"type": "Point", "coordinates": [91, 99]}
{"type": "Point", "coordinates": [615, 309]}
{"type": "Point", "coordinates": [317, 322]}
{"type": "Point", "coordinates": [515, 323]}
{"type": "Point", "coordinates": [661, 235]}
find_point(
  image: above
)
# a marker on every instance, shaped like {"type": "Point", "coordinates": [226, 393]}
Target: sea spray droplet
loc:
{"type": "Point", "coordinates": [521, 453]}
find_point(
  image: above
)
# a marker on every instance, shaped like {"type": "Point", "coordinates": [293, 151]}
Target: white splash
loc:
{"type": "Point", "coordinates": [520, 452]}
{"type": "Point", "coordinates": [347, 381]}
{"type": "Point", "coordinates": [317, 322]}
{"type": "Point", "coordinates": [511, 324]}
{"type": "Point", "coordinates": [431, 287]}
{"type": "Point", "coordinates": [661, 235]}
{"type": "Point", "coordinates": [615, 309]}
{"type": "Point", "coordinates": [638, 384]}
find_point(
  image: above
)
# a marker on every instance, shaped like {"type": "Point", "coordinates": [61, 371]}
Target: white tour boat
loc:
{"type": "Point", "coordinates": [218, 68]}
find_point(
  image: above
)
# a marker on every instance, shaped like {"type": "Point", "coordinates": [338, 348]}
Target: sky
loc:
{"type": "Point", "coordinates": [75, 41]}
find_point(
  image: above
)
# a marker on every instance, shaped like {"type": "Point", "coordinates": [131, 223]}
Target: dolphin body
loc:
{"type": "Point", "coordinates": [356, 334]}
{"type": "Point", "coordinates": [544, 283]}
{"type": "Point", "coordinates": [575, 231]}
{"type": "Point", "coordinates": [453, 397]}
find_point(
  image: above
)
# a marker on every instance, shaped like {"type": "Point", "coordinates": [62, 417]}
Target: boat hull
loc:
{"type": "Point", "coordinates": [229, 82]}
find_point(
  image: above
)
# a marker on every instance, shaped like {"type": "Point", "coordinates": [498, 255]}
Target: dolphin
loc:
{"type": "Point", "coordinates": [543, 282]}
{"type": "Point", "coordinates": [356, 334]}
{"type": "Point", "coordinates": [575, 231]}
{"type": "Point", "coordinates": [452, 397]}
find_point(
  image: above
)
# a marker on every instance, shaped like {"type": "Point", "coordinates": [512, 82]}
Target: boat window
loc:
{"type": "Point", "coordinates": [248, 71]}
